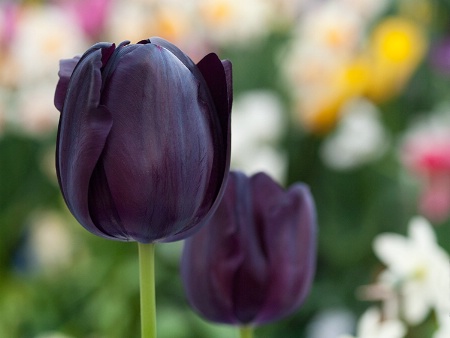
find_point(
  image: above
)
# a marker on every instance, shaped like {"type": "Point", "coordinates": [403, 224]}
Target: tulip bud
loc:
{"type": "Point", "coordinates": [254, 261]}
{"type": "Point", "coordinates": [143, 140]}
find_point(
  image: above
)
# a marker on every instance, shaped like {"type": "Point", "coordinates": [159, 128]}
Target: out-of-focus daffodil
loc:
{"type": "Point", "coordinates": [320, 111]}
{"type": "Point", "coordinates": [396, 48]}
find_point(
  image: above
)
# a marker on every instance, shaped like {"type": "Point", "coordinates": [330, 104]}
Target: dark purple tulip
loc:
{"type": "Point", "coordinates": [255, 259]}
{"type": "Point", "coordinates": [143, 140]}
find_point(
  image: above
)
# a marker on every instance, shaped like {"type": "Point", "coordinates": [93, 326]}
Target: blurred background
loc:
{"type": "Point", "coordinates": [350, 96]}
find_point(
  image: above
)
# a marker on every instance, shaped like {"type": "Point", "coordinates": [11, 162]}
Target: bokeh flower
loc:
{"type": "Point", "coordinates": [90, 15]}
{"type": "Point", "coordinates": [443, 330]}
{"type": "Point", "coordinates": [397, 46]}
{"type": "Point", "coordinates": [41, 35]}
{"type": "Point", "coordinates": [358, 139]}
{"type": "Point", "coordinates": [368, 9]}
{"type": "Point", "coordinates": [415, 265]}
{"type": "Point", "coordinates": [234, 21]}
{"type": "Point", "coordinates": [425, 154]}
{"type": "Point", "coordinates": [49, 243]}
{"type": "Point", "coordinates": [257, 126]}
{"type": "Point", "coordinates": [371, 325]}
{"type": "Point", "coordinates": [144, 139]}
{"type": "Point", "coordinates": [254, 261]}
{"type": "Point", "coordinates": [323, 65]}
{"type": "Point", "coordinates": [172, 20]}
{"type": "Point", "coordinates": [47, 35]}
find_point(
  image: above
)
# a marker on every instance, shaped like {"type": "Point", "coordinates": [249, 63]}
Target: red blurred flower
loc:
{"type": "Point", "coordinates": [426, 154]}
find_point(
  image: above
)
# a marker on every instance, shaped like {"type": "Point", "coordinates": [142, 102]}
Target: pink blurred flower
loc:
{"type": "Point", "coordinates": [426, 154]}
{"type": "Point", "coordinates": [91, 15]}
{"type": "Point", "coordinates": [8, 20]}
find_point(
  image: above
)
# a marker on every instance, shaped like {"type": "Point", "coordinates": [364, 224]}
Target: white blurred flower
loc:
{"type": "Point", "coordinates": [50, 244]}
{"type": "Point", "coordinates": [443, 330]}
{"type": "Point", "coordinates": [257, 124]}
{"type": "Point", "coordinates": [323, 64]}
{"type": "Point", "coordinates": [418, 267]}
{"type": "Point", "coordinates": [136, 20]}
{"type": "Point", "coordinates": [306, 65]}
{"type": "Point", "coordinates": [330, 324]}
{"type": "Point", "coordinates": [288, 11]}
{"type": "Point", "coordinates": [234, 21]}
{"type": "Point", "coordinates": [371, 325]}
{"type": "Point", "coordinates": [333, 26]}
{"type": "Point", "coordinates": [44, 35]}
{"type": "Point", "coordinates": [369, 9]}
{"type": "Point", "coordinates": [35, 113]}
{"type": "Point", "coordinates": [358, 139]}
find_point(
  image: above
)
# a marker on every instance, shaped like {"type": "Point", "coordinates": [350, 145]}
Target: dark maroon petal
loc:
{"type": "Point", "coordinates": [66, 68]}
{"type": "Point", "coordinates": [102, 208]}
{"type": "Point", "coordinates": [216, 76]}
{"type": "Point", "coordinates": [218, 79]}
{"type": "Point", "coordinates": [290, 237]}
{"type": "Point", "coordinates": [227, 66]}
{"type": "Point", "coordinates": [107, 52]}
{"type": "Point", "coordinates": [82, 134]}
{"type": "Point", "coordinates": [257, 252]}
{"type": "Point", "coordinates": [188, 63]}
{"type": "Point", "coordinates": [210, 260]}
{"type": "Point", "coordinates": [144, 140]}
{"type": "Point", "coordinates": [158, 158]}
{"type": "Point", "coordinates": [250, 278]}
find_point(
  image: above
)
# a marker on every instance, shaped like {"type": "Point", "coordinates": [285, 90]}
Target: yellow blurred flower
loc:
{"type": "Point", "coordinates": [320, 110]}
{"type": "Point", "coordinates": [396, 48]}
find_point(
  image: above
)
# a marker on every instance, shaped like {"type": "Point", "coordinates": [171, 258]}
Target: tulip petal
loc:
{"type": "Point", "coordinates": [292, 244]}
{"type": "Point", "coordinates": [254, 261]}
{"type": "Point", "coordinates": [217, 77]}
{"type": "Point", "coordinates": [83, 130]}
{"type": "Point", "coordinates": [66, 68]}
{"type": "Point", "coordinates": [157, 41]}
{"type": "Point", "coordinates": [158, 125]}
{"type": "Point", "coordinates": [227, 66]}
{"type": "Point", "coordinates": [208, 269]}
{"type": "Point", "coordinates": [143, 140]}
{"type": "Point", "coordinates": [250, 279]}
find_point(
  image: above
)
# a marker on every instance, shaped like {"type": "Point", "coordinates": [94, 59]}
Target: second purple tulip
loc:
{"type": "Point", "coordinates": [254, 261]}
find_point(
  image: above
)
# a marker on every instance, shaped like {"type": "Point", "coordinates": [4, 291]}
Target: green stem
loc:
{"type": "Point", "coordinates": [246, 332]}
{"type": "Point", "coordinates": [147, 281]}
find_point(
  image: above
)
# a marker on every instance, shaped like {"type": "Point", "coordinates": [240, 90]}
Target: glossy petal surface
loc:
{"type": "Point", "coordinates": [144, 140]}
{"type": "Point", "coordinates": [254, 261]}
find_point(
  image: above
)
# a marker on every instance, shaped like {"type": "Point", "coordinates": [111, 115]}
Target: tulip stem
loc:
{"type": "Point", "coordinates": [147, 282]}
{"type": "Point", "coordinates": [246, 332]}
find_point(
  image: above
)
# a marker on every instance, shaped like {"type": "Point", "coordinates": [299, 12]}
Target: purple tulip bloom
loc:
{"type": "Point", "coordinates": [254, 261]}
{"type": "Point", "coordinates": [143, 140]}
